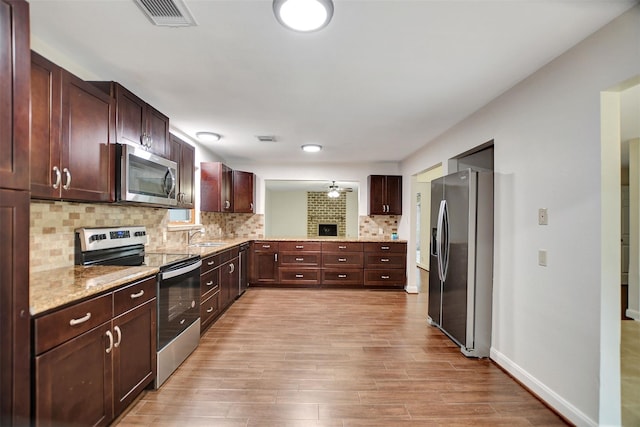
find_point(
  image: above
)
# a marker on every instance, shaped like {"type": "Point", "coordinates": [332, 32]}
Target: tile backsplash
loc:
{"type": "Point", "coordinates": [51, 235]}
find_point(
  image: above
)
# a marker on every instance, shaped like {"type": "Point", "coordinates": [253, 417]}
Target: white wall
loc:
{"type": "Point", "coordinates": [286, 214]}
{"type": "Point", "coordinates": [546, 320]}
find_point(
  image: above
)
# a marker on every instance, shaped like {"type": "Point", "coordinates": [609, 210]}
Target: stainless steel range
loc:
{"type": "Point", "coordinates": [178, 288]}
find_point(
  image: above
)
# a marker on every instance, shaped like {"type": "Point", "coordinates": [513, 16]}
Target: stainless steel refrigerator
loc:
{"type": "Point", "coordinates": [461, 259]}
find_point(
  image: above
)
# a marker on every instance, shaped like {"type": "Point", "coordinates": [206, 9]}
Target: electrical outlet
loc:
{"type": "Point", "coordinates": [543, 216]}
{"type": "Point", "coordinates": [542, 257]}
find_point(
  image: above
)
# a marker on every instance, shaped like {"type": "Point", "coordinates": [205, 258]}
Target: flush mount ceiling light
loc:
{"type": "Point", "coordinates": [311, 148]}
{"type": "Point", "coordinates": [208, 136]}
{"type": "Point", "coordinates": [303, 15]}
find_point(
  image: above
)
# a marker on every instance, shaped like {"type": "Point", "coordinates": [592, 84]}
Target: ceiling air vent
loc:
{"type": "Point", "coordinates": [167, 13]}
{"type": "Point", "coordinates": [266, 138]}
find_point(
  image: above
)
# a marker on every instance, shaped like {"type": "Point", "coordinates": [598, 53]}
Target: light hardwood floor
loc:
{"type": "Point", "coordinates": [339, 358]}
{"type": "Point", "coordinates": [630, 373]}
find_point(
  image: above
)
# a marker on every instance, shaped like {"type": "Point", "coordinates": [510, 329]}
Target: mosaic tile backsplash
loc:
{"type": "Point", "coordinates": [51, 235]}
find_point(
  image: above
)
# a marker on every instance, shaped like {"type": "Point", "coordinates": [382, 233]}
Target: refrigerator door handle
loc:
{"type": "Point", "coordinates": [445, 255]}
{"type": "Point", "coordinates": [439, 232]}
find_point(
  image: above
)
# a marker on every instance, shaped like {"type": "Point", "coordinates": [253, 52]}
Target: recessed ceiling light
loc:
{"type": "Point", "coordinates": [208, 136]}
{"type": "Point", "coordinates": [311, 148]}
{"type": "Point", "coordinates": [303, 15]}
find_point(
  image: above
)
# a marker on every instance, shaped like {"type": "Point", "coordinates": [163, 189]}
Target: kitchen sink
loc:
{"type": "Point", "coordinates": [208, 244]}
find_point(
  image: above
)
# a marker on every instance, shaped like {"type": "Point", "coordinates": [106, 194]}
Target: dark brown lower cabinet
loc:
{"type": "Point", "coordinates": [73, 382]}
{"type": "Point", "coordinates": [90, 377]}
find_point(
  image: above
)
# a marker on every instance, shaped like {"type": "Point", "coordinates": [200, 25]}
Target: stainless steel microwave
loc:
{"type": "Point", "coordinates": [144, 178]}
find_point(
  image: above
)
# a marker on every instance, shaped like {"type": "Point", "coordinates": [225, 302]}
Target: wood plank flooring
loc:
{"type": "Point", "coordinates": [630, 372]}
{"type": "Point", "coordinates": [338, 358]}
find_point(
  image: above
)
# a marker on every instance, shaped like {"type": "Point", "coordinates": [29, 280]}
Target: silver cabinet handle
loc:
{"type": "Point", "coordinates": [138, 295]}
{"type": "Point", "coordinates": [342, 247]}
{"type": "Point", "coordinates": [119, 333]}
{"type": "Point", "coordinates": [251, 206]}
{"type": "Point", "coordinates": [384, 248]}
{"type": "Point", "coordinates": [299, 276]}
{"type": "Point", "coordinates": [342, 276]}
{"type": "Point", "coordinates": [227, 204]}
{"type": "Point", "coordinates": [209, 283]}
{"type": "Point", "coordinates": [232, 268]}
{"type": "Point", "coordinates": [67, 184]}
{"type": "Point", "coordinates": [182, 321]}
{"type": "Point", "coordinates": [74, 322]}
{"type": "Point", "coordinates": [210, 309]}
{"type": "Point", "coordinates": [275, 257]}
{"type": "Point", "coordinates": [299, 246]}
{"type": "Point", "coordinates": [384, 277]}
{"type": "Point", "coordinates": [384, 259]}
{"type": "Point", "coordinates": [58, 177]}
{"type": "Point", "coordinates": [211, 262]}
{"type": "Point", "coordinates": [299, 259]}
{"type": "Point", "coordinates": [266, 246]}
{"type": "Point", "coordinates": [342, 260]}
{"type": "Point", "coordinates": [110, 336]}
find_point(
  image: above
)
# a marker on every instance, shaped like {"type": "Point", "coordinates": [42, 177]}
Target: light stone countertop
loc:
{"type": "Point", "coordinates": [55, 288]}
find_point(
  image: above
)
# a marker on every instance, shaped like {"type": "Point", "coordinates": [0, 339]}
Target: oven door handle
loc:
{"type": "Point", "coordinates": [180, 271]}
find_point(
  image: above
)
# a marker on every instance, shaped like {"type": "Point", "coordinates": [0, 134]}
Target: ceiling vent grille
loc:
{"type": "Point", "coordinates": [167, 13]}
{"type": "Point", "coordinates": [266, 138]}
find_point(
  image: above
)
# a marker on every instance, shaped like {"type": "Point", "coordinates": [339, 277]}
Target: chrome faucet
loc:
{"type": "Point", "coordinates": [193, 233]}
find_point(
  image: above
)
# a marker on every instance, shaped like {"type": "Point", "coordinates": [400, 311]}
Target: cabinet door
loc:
{"type": "Point", "coordinates": [158, 130]}
{"type": "Point", "coordinates": [14, 307]}
{"type": "Point", "coordinates": [88, 156]}
{"type": "Point", "coordinates": [229, 282]}
{"type": "Point", "coordinates": [264, 263]}
{"type": "Point", "coordinates": [134, 354]}
{"type": "Point", "coordinates": [184, 155]}
{"type": "Point", "coordinates": [46, 116]}
{"type": "Point", "coordinates": [377, 200]}
{"type": "Point", "coordinates": [131, 122]}
{"type": "Point", "coordinates": [14, 87]}
{"type": "Point", "coordinates": [210, 186]}
{"type": "Point", "coordinates": [73, 384]}
{"type": "Point", "coordinates": [226, 196]}
{"type": "Point", "coordinates": [394, 195]}
{"type": "Point", "coordinates": [243, 192]}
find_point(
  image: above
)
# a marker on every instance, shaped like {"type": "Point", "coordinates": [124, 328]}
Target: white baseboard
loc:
{"type": "Point", "coordinates": [411, 289]}
{"type": "Point", "coordinates": [634, 314]}
{"type": "Point", "coordinates": [550, 397]}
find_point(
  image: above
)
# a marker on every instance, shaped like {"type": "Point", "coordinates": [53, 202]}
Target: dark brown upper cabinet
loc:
{"type": "Point", "coordinates": [243, 192]}
{"type": "Point", "coordinates": [72, 133]}
{"type": "Point", "coordinates": [14, 87]}
{"type": "Point", "coordinates": [138, 123]}
{"type": "Point", "coordinates": [216, 187]}
{"type": "Point", "coordinates": [184, 155]}
{"type": "Point", "coordinates": [385, 194]}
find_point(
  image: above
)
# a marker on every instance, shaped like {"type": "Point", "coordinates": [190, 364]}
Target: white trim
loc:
{"type": "Point", "coordinates": [634, 314]}
{"type": "Point", "coordinates": [411, 289]}
{"type": "Point", "coordinates": [549, 396]}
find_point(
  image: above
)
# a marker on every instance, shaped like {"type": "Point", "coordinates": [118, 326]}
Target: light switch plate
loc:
{"type": "Point", "coordinates": [542, 257]}
{"type": "Point", "coordinates": [543, 216]}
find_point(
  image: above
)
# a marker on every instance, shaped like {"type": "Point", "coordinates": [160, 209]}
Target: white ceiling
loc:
{"type": "Point", "coordinates": [383, 79]}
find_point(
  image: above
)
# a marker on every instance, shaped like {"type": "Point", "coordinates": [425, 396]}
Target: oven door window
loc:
{"type": "Point", "coordinates": [178, 305]}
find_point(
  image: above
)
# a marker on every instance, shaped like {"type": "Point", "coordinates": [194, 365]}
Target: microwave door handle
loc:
{"type": "Point", "coordinates": [173, 182]}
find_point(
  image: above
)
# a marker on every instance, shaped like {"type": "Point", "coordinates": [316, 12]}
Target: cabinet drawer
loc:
{"type": "Point", "coordinates": [344, 277]}
{"type": "Point", "coordinates": [209, 282]}
{"type": "Point", "coordinates": [265, 246]}
{"type": "Point", "coordinates": [342, 247]}
{"type": "Point", "coordinates": [303, 259]}
{"type": "Point", "coordinates": [299, 276]}
{"type": "Point", "coordinates": [390, 260]}
{"type": "Point", "coordinates": [209, 308]}
{"type": "Point", "coordinates": [210, 262]}
{"type": "Point", "coordinates": [386, 247]}
{"type": "Point", "coordinates": [384, 277]}
{"type": "Point", "coordinates": [134, 295]}
{"type": "Point", "coordinates": [62, 325]}
{"type": "Point", "coordinates": [300, 246]}
{"type": "Point", "coordinates": [350, 259]}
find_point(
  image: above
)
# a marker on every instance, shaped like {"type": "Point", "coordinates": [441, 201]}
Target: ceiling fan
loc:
{"type": "Point", "coordinates": [335, 190]}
